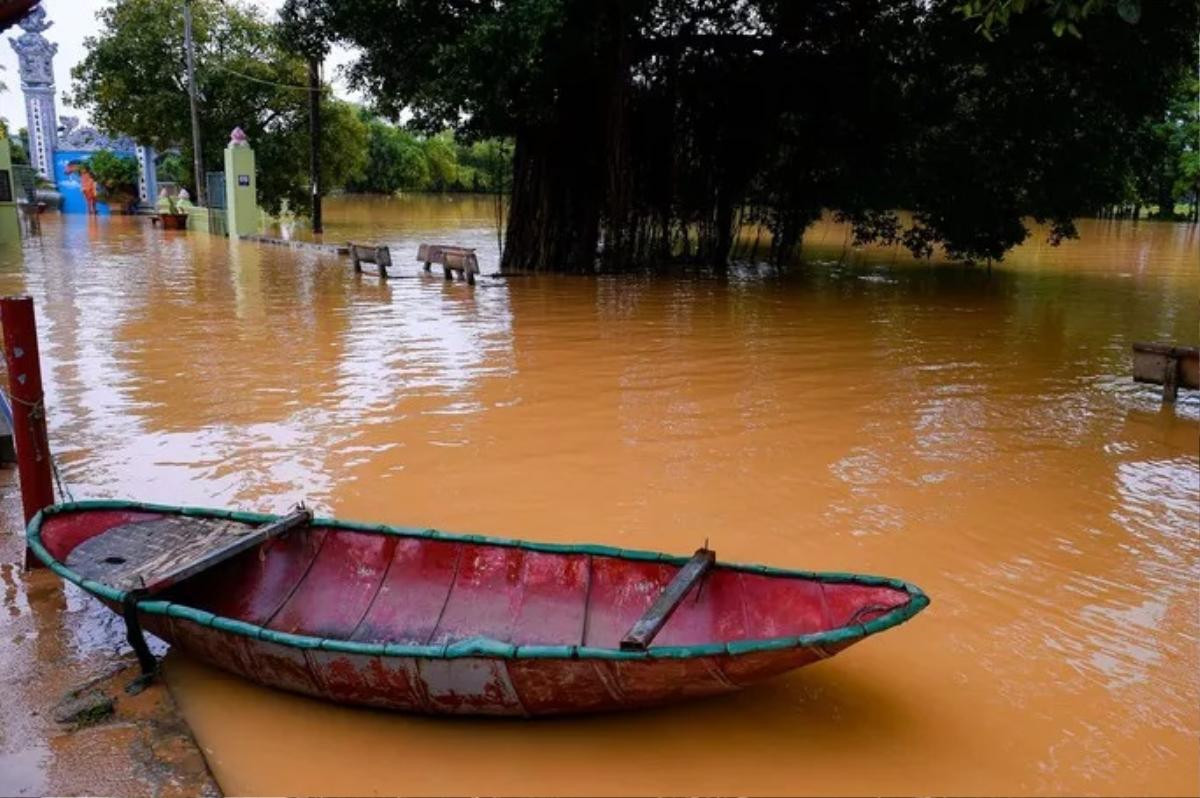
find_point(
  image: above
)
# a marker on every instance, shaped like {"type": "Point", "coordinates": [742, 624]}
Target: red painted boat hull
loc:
{"type": "Point", "coordinates": [478, 685]}
{"type": "Point", "coordinates": [421, 621]}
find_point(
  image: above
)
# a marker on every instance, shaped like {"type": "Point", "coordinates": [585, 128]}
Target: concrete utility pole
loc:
{"type": "Point", "coordinates": [314, 138]}
{"type": "Point", "coordinates": [197, 157]}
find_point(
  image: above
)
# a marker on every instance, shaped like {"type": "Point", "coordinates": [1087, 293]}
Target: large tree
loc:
{"type": "Point", "coordinates": [134, 81]}
{"type": "Point", "coordinates": [649, 129]}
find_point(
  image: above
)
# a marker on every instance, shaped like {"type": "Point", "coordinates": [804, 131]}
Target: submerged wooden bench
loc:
{"type": "Point", "coordinates": [369, 253]}
{"type": "Point", "coordinates": [1172, 367]}
{"type": "Point", "coordinates": [452, 259]}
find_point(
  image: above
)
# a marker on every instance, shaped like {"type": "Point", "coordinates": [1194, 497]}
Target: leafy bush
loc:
{"type": "Point", "coordinates": [174, 168]}
{"type": "Point", "coordinates": [116, 174]}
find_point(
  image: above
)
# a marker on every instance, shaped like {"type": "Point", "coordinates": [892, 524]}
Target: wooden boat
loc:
{"type": "Point", "coordinates": [424, 621]}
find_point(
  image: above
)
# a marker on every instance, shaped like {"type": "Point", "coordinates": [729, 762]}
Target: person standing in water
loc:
{"type": "Point", "coordinates": [87, 185]}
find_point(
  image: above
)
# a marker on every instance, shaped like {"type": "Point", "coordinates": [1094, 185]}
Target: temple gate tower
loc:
{"type": "Point", "coordinates": [36, 56]}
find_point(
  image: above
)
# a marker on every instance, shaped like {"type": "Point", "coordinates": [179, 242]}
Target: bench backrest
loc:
{"type": "Point", "coordinates": [371, 254]}
{"type": "Point", "coordinates": [452, 256]}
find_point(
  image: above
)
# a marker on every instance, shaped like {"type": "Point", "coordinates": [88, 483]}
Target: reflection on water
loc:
{"type": "Point", "coordinates": [978, 434]}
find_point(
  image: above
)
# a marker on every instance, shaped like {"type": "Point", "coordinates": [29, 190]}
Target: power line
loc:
{"type": "Point", "coordinates": [262, 81]}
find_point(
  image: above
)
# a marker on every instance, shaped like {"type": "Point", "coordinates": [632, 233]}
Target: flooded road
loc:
{"type": "Point", "coordinates": [976, 434]}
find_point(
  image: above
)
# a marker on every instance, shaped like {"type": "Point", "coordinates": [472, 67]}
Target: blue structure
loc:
{"type": "Point", "coordinates": [68, 183]}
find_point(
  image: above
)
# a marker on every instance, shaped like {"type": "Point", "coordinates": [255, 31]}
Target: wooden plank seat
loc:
{"type": "Point", "coordinates": [452, 259]}
{"type": "Point", "coordinates": [150, 556]}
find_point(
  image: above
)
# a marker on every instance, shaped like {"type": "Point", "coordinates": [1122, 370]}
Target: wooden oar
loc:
{"type": "Point", "coordinates": [642, 633]}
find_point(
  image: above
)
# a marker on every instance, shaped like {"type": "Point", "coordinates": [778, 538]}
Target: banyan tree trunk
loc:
{"type": "Point", "coordinates": [620, 225]}
{"type": "Point", "coordinates": [554, 218]}
{"type": "Point", "coordinates": [572, 175]}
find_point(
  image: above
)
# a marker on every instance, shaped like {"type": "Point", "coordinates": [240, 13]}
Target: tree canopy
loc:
{"type": "Point", "coordinates": [647, 130]}
{"type": "Point", "coordinates": [399, 159]}
{"type": "Point", "coordinates": [133, 80]}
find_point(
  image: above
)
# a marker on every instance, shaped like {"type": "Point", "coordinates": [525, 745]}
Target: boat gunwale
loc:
{"type": "Point", "coordinates": [474, 646]}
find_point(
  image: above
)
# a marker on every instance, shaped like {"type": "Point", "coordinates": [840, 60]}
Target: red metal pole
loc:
{"type": "Point", "coordinates": [29, 412]}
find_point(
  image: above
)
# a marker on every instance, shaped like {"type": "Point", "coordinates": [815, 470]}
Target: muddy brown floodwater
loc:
{"type": "Point", "coordinates": [976, 434]}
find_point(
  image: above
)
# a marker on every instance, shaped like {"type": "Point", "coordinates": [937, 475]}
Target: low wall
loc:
{"type": "Point", "coordinates": [207, 220]}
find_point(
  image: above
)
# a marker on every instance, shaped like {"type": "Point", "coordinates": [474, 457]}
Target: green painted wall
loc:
{"type": "Point", "coordinates": [207, 220]}
{"type": "Point", "coordinates": [10, 222]}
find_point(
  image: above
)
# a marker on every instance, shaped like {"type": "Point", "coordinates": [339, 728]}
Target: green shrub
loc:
{"type": "Point", "coordinates": [116, 174]}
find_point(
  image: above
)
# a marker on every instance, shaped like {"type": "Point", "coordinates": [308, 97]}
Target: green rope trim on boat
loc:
{"type": "Point", "coordinates": [475, 646]}
{"type": "Point", "coordinates": [232, 625]}
{"type": "Point", "coordinates": [288, 639]}
{"type": "Point", "coordinates": [480, 646]}
{"type": "Point", "coordinates": [202, 617]}
{"type": "Point", "coordinates": [352, 647]}
{"type": "Point", "coordinates": [546, 652]}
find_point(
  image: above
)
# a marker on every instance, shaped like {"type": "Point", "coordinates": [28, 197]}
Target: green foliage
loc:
{"type": "Point", "coordinates": [1168, 165]}
{"type": "Point", "coordinates": [1182, 133]}
{"type": "Point", "coordinates": [343, 155]}
{"type": "Point", "coordinates": [302, 28]}
{"type": "Point", "coordinates": [114, 173]}
{"type": "Point", "coordinates": [399, 159]}
{"type": "Point", "coordinates": [443, 162]}
{"type": "Point", "coordinates": [395, 161]}
{"type": "Point", "coordinates": [1065, 15]}
{"type": "Point", "coordinates": [489, 165]}
{"type": "Point", "coordinates": [17, 149]}
{"type": "Point", "coordinates": [647, 129]}
{"type": "Point", "coordinates": [343, 143]}
{"type": "Point", "coordinates": [175, 168]}
{"type": "Point", "coordinates": [133, 80]}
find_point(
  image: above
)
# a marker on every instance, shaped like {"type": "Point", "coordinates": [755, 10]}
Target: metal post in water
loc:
{"type": "Point", "coordinates": [29, 410]}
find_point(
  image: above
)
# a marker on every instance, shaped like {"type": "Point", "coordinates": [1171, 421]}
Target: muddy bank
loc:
{"type": "Point", "coordinates": [67, 726]}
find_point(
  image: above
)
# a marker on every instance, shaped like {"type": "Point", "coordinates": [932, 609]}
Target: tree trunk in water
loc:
{"type": "Point", "coordinates": [616, 50]}
{"type": "Point", "coordinates": [724, 232]}
{"type": "Point", "coordinates": [571, 174]}
{"type": "Point", "coordinates": [554, 218]}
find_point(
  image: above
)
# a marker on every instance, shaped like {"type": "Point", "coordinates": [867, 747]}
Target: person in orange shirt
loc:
{"type": "Point", "coordinates": [88, 185]}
